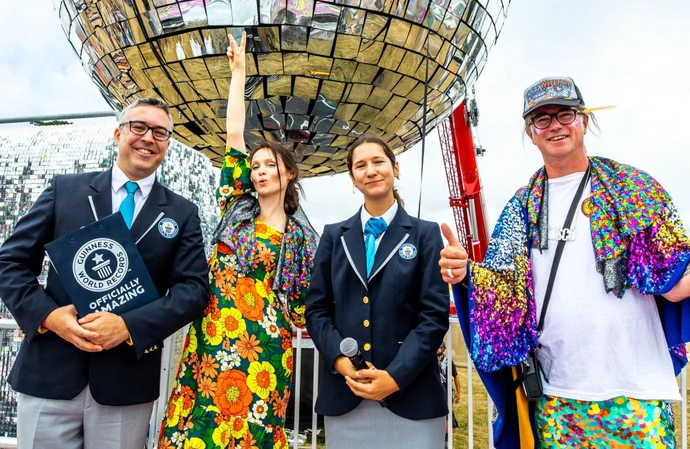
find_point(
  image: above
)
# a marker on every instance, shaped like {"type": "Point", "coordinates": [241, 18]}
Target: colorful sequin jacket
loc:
{"type": "Point", "coordinates": [639, 242]}
{"type": "Point", "coordinates": [239, 209]}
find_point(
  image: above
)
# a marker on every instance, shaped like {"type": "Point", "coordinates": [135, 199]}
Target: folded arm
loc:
{"type": "Point", "coordinates": [21, 262]}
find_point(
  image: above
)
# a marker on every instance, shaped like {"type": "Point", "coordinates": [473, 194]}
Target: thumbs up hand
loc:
{"type": "Point", "coordinates": [453, 261]}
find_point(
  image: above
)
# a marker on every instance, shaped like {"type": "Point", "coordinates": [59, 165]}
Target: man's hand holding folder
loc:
{"type": "Point", "coordinates": [63, 321]}
{"type": "Point", "coordinates": [105, 277]}
{"type": "Point", "coordinates": [110, 329]}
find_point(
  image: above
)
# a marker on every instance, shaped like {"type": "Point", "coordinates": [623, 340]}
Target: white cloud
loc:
{"type": "Point", "coordinates": [39, 71]}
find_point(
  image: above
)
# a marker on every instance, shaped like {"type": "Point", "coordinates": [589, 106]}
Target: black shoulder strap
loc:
{"type": "Point", "coordinates": [559, 249]}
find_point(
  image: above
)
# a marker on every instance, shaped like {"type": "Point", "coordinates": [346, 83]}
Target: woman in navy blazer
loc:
{"type": "Point", "coordinates": [396, 309]}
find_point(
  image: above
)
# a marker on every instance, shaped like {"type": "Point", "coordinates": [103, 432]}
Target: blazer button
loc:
{"type": "Point", "coordinates": [365, 300]}
{"type": "Point", "coordinates": [367, 346]}
{"type": "Point", "coordinates": [366, 323]}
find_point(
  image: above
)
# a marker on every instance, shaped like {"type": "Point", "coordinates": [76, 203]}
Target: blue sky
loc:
{"type": "Point", "coordinates": [627, 53]}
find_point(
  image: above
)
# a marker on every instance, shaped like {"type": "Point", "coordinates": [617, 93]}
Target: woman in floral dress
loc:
{"type": "Point", "coordinates": [235, 376]}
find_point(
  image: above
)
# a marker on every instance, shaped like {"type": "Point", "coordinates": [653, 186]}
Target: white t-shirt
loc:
{"type": "Point", "coordinates": [600, 346]}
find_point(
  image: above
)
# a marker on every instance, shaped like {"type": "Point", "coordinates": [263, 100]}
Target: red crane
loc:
{"type": "Point", "coordinates": [466, 201]}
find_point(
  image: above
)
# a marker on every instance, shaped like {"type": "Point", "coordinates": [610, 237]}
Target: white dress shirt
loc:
{"type": "Point", "coordinates": [387, 216]}
{"type": "Point", "coordinates": [120, 193]}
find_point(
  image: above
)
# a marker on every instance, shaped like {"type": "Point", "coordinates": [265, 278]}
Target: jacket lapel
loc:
{"type": "Point", "coordinates": [102, 196]}
{"type": "Point", "coordinates": [149, 215]}
{"type": "Point", "coordinates": [353, 243]}
{"type": "Point", "coordinates": [396, 234]}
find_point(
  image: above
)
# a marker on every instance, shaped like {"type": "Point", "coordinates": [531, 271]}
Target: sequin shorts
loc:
{"type": "Point", "coordinates": [618, 423]}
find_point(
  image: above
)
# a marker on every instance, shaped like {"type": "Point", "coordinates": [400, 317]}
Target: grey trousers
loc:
{"type": "Point", "coordinates": [80, 423]}
{"type": "Point", "coordinates": [370, 425]}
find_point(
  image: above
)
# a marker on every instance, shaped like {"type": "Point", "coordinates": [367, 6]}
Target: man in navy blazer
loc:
{"type": "Point", "coordinates": [91, 381]}
{"type": "Point", "coordinates": [398, 314]}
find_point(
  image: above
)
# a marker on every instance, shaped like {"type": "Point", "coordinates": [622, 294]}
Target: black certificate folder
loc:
{"type": "Point", "coordinates": [101, 268]}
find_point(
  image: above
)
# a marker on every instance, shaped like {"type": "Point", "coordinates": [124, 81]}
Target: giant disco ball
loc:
{"type": "Point", "coordinates": [320, 73]}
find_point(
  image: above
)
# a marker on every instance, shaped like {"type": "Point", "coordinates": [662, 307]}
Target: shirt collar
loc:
{"type": "Point", "coordinates": [387, 216]}
{"type": "Point", "coordinates": [119, 179]}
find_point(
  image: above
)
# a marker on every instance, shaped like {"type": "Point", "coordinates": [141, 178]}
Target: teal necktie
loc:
{"type": "Point", "coordinates": [127, 205]}
{"type": "Point", "coordinates": [373, 229]}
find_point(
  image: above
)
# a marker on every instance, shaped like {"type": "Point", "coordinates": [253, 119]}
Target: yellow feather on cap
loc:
{"type": "Point", "coordinates": [600, 108]}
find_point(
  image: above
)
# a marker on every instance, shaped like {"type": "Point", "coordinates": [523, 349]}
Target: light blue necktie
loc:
{"type": "Point", "coordinates": [127, 205]}
{"type": "Point", "coordinates": [373, 229]}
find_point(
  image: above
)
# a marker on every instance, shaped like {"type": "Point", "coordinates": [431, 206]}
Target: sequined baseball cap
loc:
{"type": "Point", "coordinates": [554, 90]}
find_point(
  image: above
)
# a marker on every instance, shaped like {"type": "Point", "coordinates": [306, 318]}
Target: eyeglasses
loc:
{"type": "Point", "coordinates": [564, 117]}
{"type": "Point", "coordinates": [140, 128]}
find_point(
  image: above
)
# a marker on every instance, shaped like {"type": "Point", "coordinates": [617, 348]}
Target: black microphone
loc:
{"type": "Point", "coordinates": [350, 349]}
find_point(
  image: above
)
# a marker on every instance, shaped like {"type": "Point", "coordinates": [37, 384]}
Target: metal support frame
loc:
{"type": "Point", "coordinates": [466, 201]}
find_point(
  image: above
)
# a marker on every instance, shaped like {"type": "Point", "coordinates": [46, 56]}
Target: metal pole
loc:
{"type": "Point", "coordinates": [490, 428]}
{"type": "Point", "coordinates": [315, 393]}
{"type": "Point", "coordinates": [684, 409]}
{"type": "Point", "coordinates": [450, 381]}
{"type": "Point", "coordinates": [168, 365]}
{"type": "Point", "coordinates": [298, 378]}
{"type": "Point", "coordinates": [8, 442]}
{"type": "Point", "coordinates": [8, 323]}
{"type": "Point", "coordinates": [50, 118]}
{"type": "Point", "coordinates": [470, 410]}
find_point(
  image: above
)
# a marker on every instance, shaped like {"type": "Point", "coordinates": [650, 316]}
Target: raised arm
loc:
{"type": "Point", "coordinates": [235, 174]}
{"type": "Point", "coordinates": [235, 111]}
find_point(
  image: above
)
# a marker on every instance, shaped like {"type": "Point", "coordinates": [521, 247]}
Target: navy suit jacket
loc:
{"type": "Point", "coordinates": [398, 315]}
{"type": "Point", "coordinates": [48, 366]}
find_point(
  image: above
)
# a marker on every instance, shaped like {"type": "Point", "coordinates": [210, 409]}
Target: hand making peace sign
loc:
{"type": "Point", "coordinates": [236, 52]}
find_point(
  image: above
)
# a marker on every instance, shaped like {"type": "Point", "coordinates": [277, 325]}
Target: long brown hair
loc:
{"type": "Point", "coordinates": [387, 150]}
{"type": "Point", "coordinates": [293, 187]}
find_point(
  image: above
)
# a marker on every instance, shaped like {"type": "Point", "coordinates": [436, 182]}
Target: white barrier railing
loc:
{"type": "Point", "coordinates": [8, 443]}
{"type": "Point", "coordinates": [170, 360]}
{"type": "Point", "coordinates": [7, 324]}
{"type": "Point", "coordinates": [684, 408]}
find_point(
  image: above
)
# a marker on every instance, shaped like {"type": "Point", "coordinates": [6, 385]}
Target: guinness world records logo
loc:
{"type": "Point", "coordinates": [100, 264]}
{"type": "Point", "coordinates": [408, 251]}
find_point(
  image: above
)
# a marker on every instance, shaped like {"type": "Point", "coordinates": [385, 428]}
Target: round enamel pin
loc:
{"type": "Point", "coordinates": [168, 228]}
{"type": "Point", "coordinates": [587, 207]}
{"type": "Point", "coordinates": [407, 251]}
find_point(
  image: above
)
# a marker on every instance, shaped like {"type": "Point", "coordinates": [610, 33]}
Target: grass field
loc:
{"type": "Point", "coordinates": [480, 415]}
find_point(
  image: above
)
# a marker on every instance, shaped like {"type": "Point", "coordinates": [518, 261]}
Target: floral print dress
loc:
{"type": "Point", "coordinates": [234, 379]}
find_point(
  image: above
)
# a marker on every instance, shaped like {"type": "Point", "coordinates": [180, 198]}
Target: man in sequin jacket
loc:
{"type": "Point", "coordinates": [613, 333]}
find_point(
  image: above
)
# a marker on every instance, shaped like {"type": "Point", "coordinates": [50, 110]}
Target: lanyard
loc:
{"type": "Point", "coordinates": [559, 248]}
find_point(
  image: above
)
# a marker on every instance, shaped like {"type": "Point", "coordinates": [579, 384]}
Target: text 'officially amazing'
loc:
{"type": "Point", "coordinates": [118, 297]}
